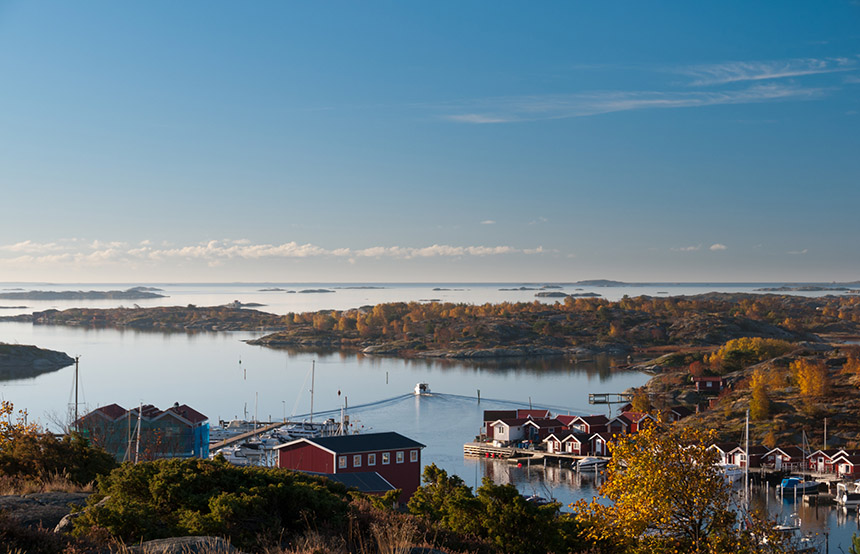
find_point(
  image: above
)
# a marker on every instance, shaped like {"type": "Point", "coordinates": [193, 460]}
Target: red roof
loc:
{"type": "Point", "coordinates": [566, 419]}
{"type": "Point", "coordinates": [188, 413]}
{"type": "Point", "coordinates": [534, 414]}
{"type": "Point", "coordinates": [112, 411]}
{"type": "Point", "coordinates": [545, 423]}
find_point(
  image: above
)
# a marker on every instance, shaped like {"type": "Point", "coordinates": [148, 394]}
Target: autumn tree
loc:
{"type": "Point", "coordinates": [759, 400]}
{"type": "Point", "coordinates": [811, 377]}
{"type": "Point", "coordinates": [667, 496]}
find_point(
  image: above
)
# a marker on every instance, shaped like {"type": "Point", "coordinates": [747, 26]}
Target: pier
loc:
{"type": "Point", "coordinates": [484, 450]}
{"type": "Point", "coordinates": [265, 427]}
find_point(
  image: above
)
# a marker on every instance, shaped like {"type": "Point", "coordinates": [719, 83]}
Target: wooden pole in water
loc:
{"type": "Point", "coordinates": [479, 396]}
{"type": "Point", "coordinates": [313, 371]}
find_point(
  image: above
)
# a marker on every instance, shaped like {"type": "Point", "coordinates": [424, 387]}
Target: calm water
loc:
{"type": "Point", "coordinates": [224, 378]}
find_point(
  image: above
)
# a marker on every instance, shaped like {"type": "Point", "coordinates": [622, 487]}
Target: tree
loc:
{"type": "Point", "coordinates": [668, 496]}
{"type": "Point", "coordinates": [811, 377]}
{"type": "Point", "coordinates": [759, 400]}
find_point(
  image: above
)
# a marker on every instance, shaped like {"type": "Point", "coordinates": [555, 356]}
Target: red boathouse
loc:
{"type": "Point", "coordinates": [396, 458]}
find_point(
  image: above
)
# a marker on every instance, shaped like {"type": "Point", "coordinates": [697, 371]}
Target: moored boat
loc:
{"type": "Point", "coordinates": [422, 388]}
{"type": "Point", "coordinates": [797, 486]}
{"type": "Point", "coordinates": [848, 494]}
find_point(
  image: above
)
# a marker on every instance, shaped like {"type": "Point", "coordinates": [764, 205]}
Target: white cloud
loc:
{"type": "Point", "coordinates": [219, 251]}
{"type": "Point", "coordinates": [718, 246]}
{"type": "Point", "coordinates": [535, 108]}
{"type": "Point", "coordinates": [488, 222]}
{"type": "Point", "coordinates": [798, 252]}
{"type": "Point", "coordinates": [688, 248]}
{"type": "Point", "coordinates": [733, 72]}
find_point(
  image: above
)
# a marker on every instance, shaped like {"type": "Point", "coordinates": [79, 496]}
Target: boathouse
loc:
{"type": "Point", "coordinates": [599, 444]}
{"type": "Point", "coordinates": [709, 384]}
{"type": "Point", "coordinates": [724, 450]}
{"type": "Point", "coordinates": [737, 456]}
{"type": "Point", "coordinates": [847, 466]}
{"type": "Point", "coordinates": [589, 424]}
{"type": "Point", "coordinates": [177, 432]}
{"type": "Point", "coordinates": [506, 431]}
{"type": "Point", "coordinates": [567, 442]}
{"type": "Point", "coordinates": [396, 458]}
{"type": "Point", "coordinates": [491, 416]}
{"type": "Point", "coordinates": [538, 429]}
{"type": "Point", "coordinates": [789, 458]}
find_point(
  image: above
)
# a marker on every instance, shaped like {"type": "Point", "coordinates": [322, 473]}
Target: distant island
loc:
{"type": "Point", "coordinates": [806, 288]}
{"type": "Point", "coordinates": [18, 361]}
{"type": "Point", "coordinates": [315, 291]}
{"type": "Point", "coordinates": [134, 293]}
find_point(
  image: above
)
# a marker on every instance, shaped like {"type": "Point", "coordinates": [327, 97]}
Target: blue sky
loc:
{"type": "Point", "coordinates": [451, 141]}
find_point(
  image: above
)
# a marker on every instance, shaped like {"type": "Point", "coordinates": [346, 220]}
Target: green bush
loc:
{"type": "Point", "coordinates": [43, 456]}
{"type": "Point", "coordinates": [248, 505]}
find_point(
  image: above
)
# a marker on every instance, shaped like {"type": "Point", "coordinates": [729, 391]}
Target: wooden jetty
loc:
{"type": "Point", "coordinates": [264, 428]}
{"type": "Point", "coordinates": [516, 455]}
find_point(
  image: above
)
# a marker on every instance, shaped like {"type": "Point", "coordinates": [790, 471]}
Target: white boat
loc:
{"type": "Point", "coordinates": [731, 472]}
{"type": "Point", "coordinates": [848, 494]}
{"type": "Point", "coordinates": [590, 462]}
{"type": "Point", "coordinates": [422, 388]}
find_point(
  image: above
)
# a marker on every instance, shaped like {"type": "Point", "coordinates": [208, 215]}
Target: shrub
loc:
{"type": "Point", "coordinates": [250, 505]}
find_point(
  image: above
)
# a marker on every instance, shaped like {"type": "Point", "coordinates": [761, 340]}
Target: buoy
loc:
{"type": "Point", "coordinates": [519, 465]}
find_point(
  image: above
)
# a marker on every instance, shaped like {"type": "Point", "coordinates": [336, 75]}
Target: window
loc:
{"type": "Point", "coordinates": [500, 429]}
{"type": "Point", "coordinates": [341, 462]}
{"type": "Point", "coordinates": [400, 456]}
{"type": "Point", "coordinates": [356, 460]}
{"type": "Point", "coordinates": [371, 459]}
{"type": "Point", "coordinates": [386, 458]}
{"type": "Point", "coordinates": [413, 456]}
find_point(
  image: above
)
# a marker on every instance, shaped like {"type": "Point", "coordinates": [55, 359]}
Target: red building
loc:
{"type": "Point", "coordinates": [396, 458]}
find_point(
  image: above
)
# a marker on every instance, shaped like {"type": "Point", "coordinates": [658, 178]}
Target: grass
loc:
{"type": "Point", "coordinates": [14, 485]}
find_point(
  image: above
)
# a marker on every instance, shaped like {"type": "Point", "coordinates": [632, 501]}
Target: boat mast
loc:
{"type": "Point", "coordinates": [137, 443]}
{"type": "Point", "coordinates": [77, 358]}
{"type": "Point", "coordinates": [313, 370]}
{"type": "Point", "coordinates": [747, 460]}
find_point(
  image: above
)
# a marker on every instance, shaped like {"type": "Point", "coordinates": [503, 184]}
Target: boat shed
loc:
{"type": "Point", "coordinates": [396, 458]}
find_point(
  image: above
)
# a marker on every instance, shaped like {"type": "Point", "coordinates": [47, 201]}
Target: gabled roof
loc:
{"type": "Point", "coordinates": [512, 422]}
{"type": "Point", "coordinates": [725, 447]}
{"type": "Point", "coordinates": [365, 481]}
{"type": "Point", "coordinates": [188, 413]}
{"type": "Point", "coordinates": [829, 453]}
{"type": "Point", "coordinates": [493, 415]}
{"type": "Point", "coordinates": [707, 378]}
{"type": "Point", "coordinates": [755, 450]}
{"type": "Point", "coordinates": [568, 436]}
{"type": "Point", "coordinates": [369, 442]}
{"type": "Point", "coordinates": [852, 460]}
{"type": "Point", "coordinates": [605, 437]}
{"type": "Point", "coordinates": [595, 419]}
{"type": "Point", "coordinates": [566, 419]}
{"type": "Point", "coordinates": [790, 451]}
{"type": "Point", "coordinates": [544, 423]}
{"type": "Point", "coordinates": [111, 411]}
{"type": "Point", "coordinates": [534, 414]}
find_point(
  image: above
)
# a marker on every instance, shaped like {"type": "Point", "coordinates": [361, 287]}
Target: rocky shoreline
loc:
{"type": "Point", "coordinates": [18, 361]}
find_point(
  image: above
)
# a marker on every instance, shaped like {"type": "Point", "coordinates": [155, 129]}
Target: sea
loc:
{"type": "Point", "coordinates": [220, 375]}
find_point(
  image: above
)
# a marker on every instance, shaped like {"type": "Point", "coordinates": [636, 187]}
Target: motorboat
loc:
{"type": "Point", "coordinates": [795, 538]}
{"type": "Point", "coordinates": [731, 472]}
{"type": "Point", "coordinates": [422, 389]}
{"type": "Point", "coordinates": [591, 462]}
{"type": "Point", "coordinates": [848, 494]}
{"type": "Point", "coordinates": [797, 486]}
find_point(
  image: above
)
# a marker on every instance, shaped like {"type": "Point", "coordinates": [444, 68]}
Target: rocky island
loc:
{"type": "Point", "coordinates": [134, 293]}
{"type": "Point", "coordinates": [18, 361]}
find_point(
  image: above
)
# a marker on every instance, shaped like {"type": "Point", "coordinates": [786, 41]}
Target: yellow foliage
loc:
{"type": "Point", "coordinates": [811, 377]}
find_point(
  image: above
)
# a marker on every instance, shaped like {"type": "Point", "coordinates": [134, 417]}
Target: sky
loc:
{"type": "Point", "coordinates": [449, 141]}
